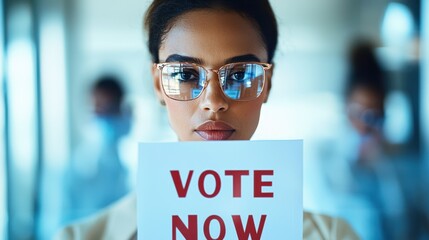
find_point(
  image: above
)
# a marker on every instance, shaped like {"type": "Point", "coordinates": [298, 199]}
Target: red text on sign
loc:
{"type": "Point", "coordinates": [237, 175]}
{"type": "Point", "coordinates": [190, 231]}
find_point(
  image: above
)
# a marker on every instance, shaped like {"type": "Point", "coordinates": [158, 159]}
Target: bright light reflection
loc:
{"type": "Point", "coordinates": [398, 118]}
{"type": "Point", "coordinates": [22, 103]}
{"type": "Point", "coordinates": [54, 92]}
{"type": "Point", "coordinates": [398, 25]}
{"type": "Point", "coordinates": [396, 32]}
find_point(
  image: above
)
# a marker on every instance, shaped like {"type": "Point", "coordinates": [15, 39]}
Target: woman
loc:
{"type": "Point", "coordinates": [212, 70]}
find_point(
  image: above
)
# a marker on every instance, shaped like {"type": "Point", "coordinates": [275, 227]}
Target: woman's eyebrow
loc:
{"type": "Point", "coordinates": [243, 58]}
{"type": "Point", "coordinates": [180, 58]}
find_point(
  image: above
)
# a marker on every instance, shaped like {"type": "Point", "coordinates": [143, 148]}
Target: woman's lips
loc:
{"type": "Point", "coordinates": [215, 130]}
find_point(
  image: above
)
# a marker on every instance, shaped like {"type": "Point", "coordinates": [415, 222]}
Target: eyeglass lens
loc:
{"type": "Point", "coordinates": [239, 81]}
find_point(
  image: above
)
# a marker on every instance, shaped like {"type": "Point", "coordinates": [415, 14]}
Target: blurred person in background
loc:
{"type": "Point", "coordinates": [365, 96]}
{"type": "Point", "coordinates": [97, 176]}
{"type": "Point", "coordinates": [372, 176]}
{"type": "Point", "coordinates": [379, 183]}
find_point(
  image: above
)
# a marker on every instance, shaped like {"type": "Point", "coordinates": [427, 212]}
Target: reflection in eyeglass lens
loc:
{"type": "Point", "coordinates": [243, 81]}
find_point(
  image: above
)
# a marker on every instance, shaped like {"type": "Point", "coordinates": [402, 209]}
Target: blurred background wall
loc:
{"type": "Point", "coordinates": [52, 51]}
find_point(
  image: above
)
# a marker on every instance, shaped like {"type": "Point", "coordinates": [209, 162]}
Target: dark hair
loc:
{"type": "Point", "coordinates": [162, 13]}
{"type": "Point", "coordinates": [365, 70]}
{"type": "Point", "coordinates": [110, 85]}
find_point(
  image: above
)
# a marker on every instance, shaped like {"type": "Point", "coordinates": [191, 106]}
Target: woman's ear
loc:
{"type": "Point", "coordinates": [268, 76]}
{"type": "Point", "coordinates": [157, 84]}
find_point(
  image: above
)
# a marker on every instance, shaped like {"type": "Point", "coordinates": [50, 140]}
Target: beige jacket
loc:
{"type": "Point", "coordinates": [119, 222]}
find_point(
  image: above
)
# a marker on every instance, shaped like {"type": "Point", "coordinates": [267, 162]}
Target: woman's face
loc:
{"type": "Point", "coordinates": [212, 38]}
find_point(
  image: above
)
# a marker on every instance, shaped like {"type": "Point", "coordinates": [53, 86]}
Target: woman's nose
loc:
{"type": "Point", "coordinates": [213, 99]}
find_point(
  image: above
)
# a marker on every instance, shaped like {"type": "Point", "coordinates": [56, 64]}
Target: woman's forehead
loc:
{"type": "Point", "coordinates": [213, 36]}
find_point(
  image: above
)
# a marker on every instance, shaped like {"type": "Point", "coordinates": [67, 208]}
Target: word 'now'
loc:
{"type": "Point", "coordinates": [190, 232]}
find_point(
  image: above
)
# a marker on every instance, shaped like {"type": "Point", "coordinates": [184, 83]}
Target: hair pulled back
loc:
{"type": "Point", "coordinates": [162, 13]}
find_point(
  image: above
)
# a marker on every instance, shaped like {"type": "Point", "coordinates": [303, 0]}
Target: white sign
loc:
{"type": "Point", "coordinates": [220, 190]}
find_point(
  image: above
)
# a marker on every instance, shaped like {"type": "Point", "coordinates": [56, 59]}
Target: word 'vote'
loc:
{"type": "Point", "coordinates": [234, 175]}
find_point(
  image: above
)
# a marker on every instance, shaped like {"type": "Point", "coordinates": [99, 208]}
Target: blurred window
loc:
{"type": "Point", "coordinates": [2, 135]}
{"type": "Point", "coordinates": [22, 120]}
{"type": "Point", "coordinates": [54, 116]}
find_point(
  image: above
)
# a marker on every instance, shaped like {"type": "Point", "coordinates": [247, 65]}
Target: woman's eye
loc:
{"type": "Point", "coordinates": [185, 76]}
{"type": "Point", "coordinates": [238, 76]}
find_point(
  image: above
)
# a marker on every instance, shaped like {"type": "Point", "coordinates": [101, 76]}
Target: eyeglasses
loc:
{"type": "Point", "coordinates": [242, 81]}
{"type": "Point", "coordinates": [370, 117]}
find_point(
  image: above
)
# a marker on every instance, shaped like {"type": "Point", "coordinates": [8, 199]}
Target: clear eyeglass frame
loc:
{"type": "Point", "coordinates": [265, 67]}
